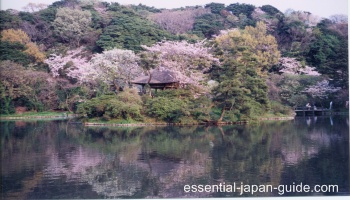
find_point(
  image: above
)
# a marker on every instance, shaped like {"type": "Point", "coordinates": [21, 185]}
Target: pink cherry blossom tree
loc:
{"type": "Point", "coordinates": [110, 66]}
{"type": "Point", "coordinates": [321, 90]}
{"type": "Point", "coordinates": [57, 63]}
{"type": "Point", "coordinates": [293, 66]}
{"type": "Point", "coordinates": [187, 61]}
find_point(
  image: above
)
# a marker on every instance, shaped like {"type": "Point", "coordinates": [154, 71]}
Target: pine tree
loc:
{"type": "Point", "coordinates": [246, 56]}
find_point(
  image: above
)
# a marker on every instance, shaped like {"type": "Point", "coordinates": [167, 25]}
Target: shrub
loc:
{"type": "Point", "coordinates": [201, 108]}
{"type": "Point", "coordinates": [123, 110]}
{"type": "Point", "coordinates": [179, 93]}
{"type": "Point", "coordinates": [130, 96]}
{"type": "Point", "coordinates": [7, 106]}
{"type": "Point", "coordinates": [125, 105]}
{"type": "Point", "coordinates": [179, 106]}
{"type": "Point", "coordinates": [166, 108]}
{"type": "Point", "coordinates": [95, 107]}
{"type": "Point", "coordinates": [277, 108]}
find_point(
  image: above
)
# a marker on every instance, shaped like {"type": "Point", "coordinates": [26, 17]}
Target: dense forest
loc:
{"type": "Point", "coordinates": [232, 62]}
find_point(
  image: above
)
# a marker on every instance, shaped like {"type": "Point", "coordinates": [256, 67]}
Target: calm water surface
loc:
{"type": "Point", "coordinates": [61, 159]}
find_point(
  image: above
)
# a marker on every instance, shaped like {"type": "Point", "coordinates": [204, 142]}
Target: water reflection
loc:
{"type": "Point", "coordinates": [58, 159]}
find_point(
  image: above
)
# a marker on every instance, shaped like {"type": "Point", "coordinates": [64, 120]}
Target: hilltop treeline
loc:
{"type": "Point", "coordinates": [233, 62]}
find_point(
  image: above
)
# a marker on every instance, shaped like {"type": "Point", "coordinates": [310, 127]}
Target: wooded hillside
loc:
{"type": "Point", "coordinates": [232, 62]}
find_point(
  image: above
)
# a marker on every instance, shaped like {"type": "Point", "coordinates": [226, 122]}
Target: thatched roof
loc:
{"type": "Point", "coordinates": [158, 77]}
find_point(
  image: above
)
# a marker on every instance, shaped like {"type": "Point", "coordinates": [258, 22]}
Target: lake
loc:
{"type": "Point", "coordinates": [63, 159]}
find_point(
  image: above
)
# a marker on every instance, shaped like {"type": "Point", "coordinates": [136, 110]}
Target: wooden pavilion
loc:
{"type": "Point", "coordinates": [158, 80]}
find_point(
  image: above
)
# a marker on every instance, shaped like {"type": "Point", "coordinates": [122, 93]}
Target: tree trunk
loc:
{"type": "Point", "coordinates": [222, 114]}
{"type": "Point", "coordinates": [67, 104]}
{"type": "Point", "coordinates": [222, 133]}
{"type": "Point", "coordinates": [116, 85]}
{"type": "Point", "coordinates": [150, 78]}
{"type": "Point", "coordinates": [208, 113]}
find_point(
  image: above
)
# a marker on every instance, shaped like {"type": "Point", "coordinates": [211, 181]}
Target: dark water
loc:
{"type": "Point", "coordinates": [60, 159]}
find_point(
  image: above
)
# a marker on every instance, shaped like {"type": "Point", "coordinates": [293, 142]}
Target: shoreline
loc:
{"type": "Point", "coordinates": [276, 118]}
{"type": "Point", "coordinates": [162, 124]}
{"type": "Point", "coordinates": [61, 116]}
{"type": "Point", "coordinates": [100, 124]}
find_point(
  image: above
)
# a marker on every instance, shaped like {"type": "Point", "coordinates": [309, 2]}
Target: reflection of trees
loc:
{"type": "Point", "coordinates": [29, 183]}
{"type": "Point", "coordinates": [242, 155]}
{"type": "Point", "coordinates": [170, 157]}
{"type": "Point", "coordinates": [150, 162]}
{"type": "Point", "coordinates": [260, 154]}
{"type": "Point", "coordinates": [177, 159]}
{"type": "Point", "coordinates": [25, 146]}
{"type": "Point", "coordinates": [303, 142]}
{"type": "Point", "coordinates": [321, 155]}
{"type": "Point", "coordinates": [19, 148]}
{"type": "Point", "coordinates": [121, 162]}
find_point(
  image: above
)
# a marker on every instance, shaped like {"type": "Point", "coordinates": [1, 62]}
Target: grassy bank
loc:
{"type": "Point", "coordinates": [154, 122]}
{"type": "Point", "coordinates": [38, 115]}
{"type": "Point", "coordinates": [25, 114]}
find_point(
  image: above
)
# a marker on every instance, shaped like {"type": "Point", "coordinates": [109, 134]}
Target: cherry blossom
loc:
{"type": "Point", "coordinates": [107, 66]}
{"type": "Point", "coordinates": [58, 62]}
{"type": "Point", "coordinates": [187, 61]}
{"type": "Point", "coordinates": [292, 66]}
{"type": "Point", "coordinates": [321, 90]}
{"type": "Point", "coordinates": [113, 65]}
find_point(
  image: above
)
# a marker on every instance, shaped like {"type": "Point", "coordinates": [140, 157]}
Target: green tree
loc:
{"type": "Point", "coordinates": [240, 89]}
{"type": "Point", "coordinates": [130, 32]}
{"type": "Point", "coordinates": [245, 56]}
{"type": "Point", "coordinates": [237, 8]}
{"type": "Point", "coordinates": [270, 10]}
{"type": "Point", "coordinates": [251, 41]}
{"type": "Point", "coordinates": [71, 25]}
{"type": "Point", "coordinates": [26, 16]}
{"type": "Point", "coordinates": [8, 20]}
{"type": "Point", "coordinates": [142, 7]}
{"type": "Point", "coordinates": [20, 36]}
{"type": "Point", "coordinates": [329, 54]}
{"type": "Point", "coordinates": [215, 8]}
{"type": "Point", "coordinates": [208, 25]}
{"type": "Point", "coordinates": [244, 12]}
{"type": "Point", "coordinates": [48, 14]}
{"type": "Point", "coordinates": [294, 32]}
{"type": "Point", "coordinates": [14, 51]}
